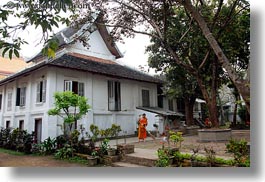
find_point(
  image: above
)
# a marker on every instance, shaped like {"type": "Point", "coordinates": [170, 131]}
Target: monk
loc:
{"type": "Point", "coordinates": [142, 128]}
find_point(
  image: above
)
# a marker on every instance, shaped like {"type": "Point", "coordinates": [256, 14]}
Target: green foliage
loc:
{"type": "Point", "coordinates": [242, 113]}
{"type": "Point", "coordinates": [48, 146]}
{"type": "Point", "coordinates": [19, 140]}
{"type": "Point", "coordinates": [176, 138]}
{"type": "Point", "coordinates": [163, 158]}
{"type": "Point", "coordinates": [51, 47]}
{"type": "Point", "coordinates": [183, 53]}
{"type": "Point", "coordinates": [77, 159]}
{"type": "Point", "coordinates": [240, 151]}
{"type": "Point", "coordinates": [178, 157]}
{"type": "Point", "coordinates": [72, 105]}
{"type": "Point", "coordinates": [95, 132]}
{"type": "Point", "coordinates": [219, 160]}
{"type": "Point", "coordinates": [94, 153]}
{"type": "Point", "coordinates": [44, 14]}
{"type": "Point", "coordinates": [74, 136]}
{"type": "Point", "coordinates": [64, 153]}
{"type": "Point", "coordinates": [210, 156]}
{"type": "Point", "coordinates": [11, 152]}
{"type": "Point", "coordinates": [61, 140]}
{"type": "Point", "coordinates": [115, 130]}
{"type": "Point", "coordinates": [104, 146]}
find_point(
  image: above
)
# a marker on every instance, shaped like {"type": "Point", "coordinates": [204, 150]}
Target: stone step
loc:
{"type": "Point", "coordinates": [125, 164]}
{"type": "Point", "coordinates": [140, 161]}
{"type": "Point", "coordinates": [143, 157]}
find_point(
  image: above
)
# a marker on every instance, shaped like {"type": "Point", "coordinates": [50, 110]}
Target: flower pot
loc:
{"type": "Point", "coordinates": [170, 160]}
{"type": "Point", "coordinates": [111, 152]}
{"type": "Point", "coordinates": [92, 161]}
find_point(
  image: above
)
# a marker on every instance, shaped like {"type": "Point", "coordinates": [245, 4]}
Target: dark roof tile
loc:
{"type": "Point", "coordinates": [89, 64]}
{"type": "Point", "coordinates": [99, 67]}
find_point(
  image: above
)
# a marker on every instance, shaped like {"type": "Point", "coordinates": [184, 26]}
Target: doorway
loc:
{"type": "Point", "coordinates": [38, 130]}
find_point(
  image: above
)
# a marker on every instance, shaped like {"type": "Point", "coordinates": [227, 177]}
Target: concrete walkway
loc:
{"type": "Point", "coordinates": [148, 149]}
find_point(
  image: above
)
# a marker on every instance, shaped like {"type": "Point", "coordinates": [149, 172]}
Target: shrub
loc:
{"type": "Point", "coordinates": [64, 153]}
{"type": "Point", "coordinates": [176, 138]}
{"type": "Point", "coordinates": [19, 140]}
{"type": "Point", "coordinates": [240, 151]}
{"type": "Point", "coordinates": [210, 156]}
{"type": "Point", "coordinates": [61, 141]}
{"type": "Point", "coordinates": [163, 158]}
{"type": "Point", "coordinates": [48, 146]}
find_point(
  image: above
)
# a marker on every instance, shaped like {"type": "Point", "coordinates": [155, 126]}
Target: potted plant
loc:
{"type": "Point", "coordinates": [193, 157]}
{"type": "Point", "coordinates": [111, 151]}
{"type": "Point", "coordinates": [210, 156]}
{"type": "Point", "coordinates": [176, 138]}
{"type": "Point", "coordinates": [92, 160]}
{"type": "Point", "coordinates": [114, 131]}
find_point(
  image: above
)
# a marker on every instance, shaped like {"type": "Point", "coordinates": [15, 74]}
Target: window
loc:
{"type": "Point", "coordinates": [170, 104]}
{"type": "Point", "coordinates": [7, 124]}
{"type": "Point", "coordinates": [160, 96]}
{"type": "Point", "coordinates": [21, 96]}
{"type": "Point", "coordinates": [1, 96]}
{"type": "Point", "coordinates": [9, 101]}
{"type": "Point", "coordinates": [76, 87]}
{"type": "Point", "coordinates": [38, 130]}
{"type": "Point", "coordinates": [145, 98]}
{"type": "Point", "coordinates": [21, 124]}
{"type": "Point", "coordinates": [114, 96]}
{"type": "Point", "coordinates": [41, 91]}
{"type": "Point", "coordinates": [180, 105]}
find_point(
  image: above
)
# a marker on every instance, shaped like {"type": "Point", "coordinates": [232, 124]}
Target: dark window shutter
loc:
{"type": "Point", "coordinates": [41, 87]}
{"type": "Point", "coordinates": [145, 98]}
{"type": "Point", "coordinates": [117, 96]}
{"type": "Point", "coordinates": [75, 87]}
{"type": "Point", "coordinates": [1, 101]}
{"type": "Point", "coordinates": [18, 97]}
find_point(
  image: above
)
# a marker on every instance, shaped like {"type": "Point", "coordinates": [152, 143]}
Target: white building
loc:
{"type": "Point", "coordinates": [113, 91]}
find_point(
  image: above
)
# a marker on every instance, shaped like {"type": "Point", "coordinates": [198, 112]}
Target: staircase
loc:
{"type": "Point", "coordinates": [140, 158]}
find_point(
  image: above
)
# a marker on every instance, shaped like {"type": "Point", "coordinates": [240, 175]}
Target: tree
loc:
{"type": "Point", "coordinates": [69, 106]}
{"type": "Point", "coordinates": [179, 84]}
{"type": "Point", "coordinates": [243, 86]}
{"type": "Point", "coordinates": [44, 14]}
{"type": "Point", "coordinates": [125, 16]}
{"type": "Point", "coordinates": [209, 75]}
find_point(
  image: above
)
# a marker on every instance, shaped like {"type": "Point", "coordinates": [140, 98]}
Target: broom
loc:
{"type": "Point", "coordinates": [151, 135]}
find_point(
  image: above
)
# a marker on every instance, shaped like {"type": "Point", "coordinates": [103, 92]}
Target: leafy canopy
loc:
{"type": "Point", "coordinates": [72, 105]}
{"type": "Point", "coordinates": [17, 15]}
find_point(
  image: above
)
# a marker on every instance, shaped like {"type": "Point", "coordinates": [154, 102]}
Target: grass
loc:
{"type": "Point", "coordinates": [11, 152]}
{"type": "Point", "coordinates": [78, 160]}
{"type": "Point", "coordinates": [75, 159]}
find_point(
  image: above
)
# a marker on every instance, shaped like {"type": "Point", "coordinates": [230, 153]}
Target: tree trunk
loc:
{"type": "Point", "coordinates": [242, 85]}
{"type": "Point", "coordinates": [213, 113]}
{"type": "Point", "coordinates": [234, 115]}
{"type": "Point", "coordinates": [222, 114]}
{"type": "Point", "coordinates": [210, 102]}
{"type": "Point", "coordinates": [189, 103]}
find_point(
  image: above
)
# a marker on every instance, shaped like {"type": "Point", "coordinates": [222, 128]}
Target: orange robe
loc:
{"type": "Point", "coordinates": [141, 128]}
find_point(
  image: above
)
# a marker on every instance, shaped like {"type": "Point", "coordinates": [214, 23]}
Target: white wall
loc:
{"type": "Point", "coordinates": [96, 90]}
{"type": "Point", "coordinates": [97, 47]}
